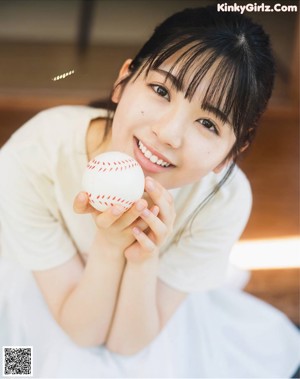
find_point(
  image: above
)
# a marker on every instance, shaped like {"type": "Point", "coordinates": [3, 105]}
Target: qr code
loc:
{"type": "Point", "coordinates": [17, 361]}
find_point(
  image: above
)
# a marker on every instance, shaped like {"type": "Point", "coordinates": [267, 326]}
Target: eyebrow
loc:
{"type": "Point", "coordinates": [206, 107]}
{"type": "Point", "coordinates": [216, 111]}
{"type": "Point", "coordinates": [175, 81]}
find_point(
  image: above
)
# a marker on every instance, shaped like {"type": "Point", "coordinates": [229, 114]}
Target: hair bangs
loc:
{"type": "Point", "coordinates": [231, 91]}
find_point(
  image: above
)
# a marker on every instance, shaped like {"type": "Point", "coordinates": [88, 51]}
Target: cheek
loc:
{"type": "Point", "coordinates": [202, 158]}
{"type": "Point", "coordinates": [199, 150]}
{"type": "Point", "coordinates": [130, 108]}
{"type": "Point", "coordinates": [127, 119]}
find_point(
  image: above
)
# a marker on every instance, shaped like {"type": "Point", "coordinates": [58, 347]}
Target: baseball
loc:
{"type": "Point", "coordinates": [113, 178]}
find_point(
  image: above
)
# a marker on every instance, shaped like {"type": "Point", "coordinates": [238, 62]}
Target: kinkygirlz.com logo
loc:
{"type": "Point", "coordinates": [255, 7]}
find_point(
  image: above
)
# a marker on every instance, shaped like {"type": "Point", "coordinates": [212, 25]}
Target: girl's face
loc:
{"type": "Point", "coordinates": [174, 140]}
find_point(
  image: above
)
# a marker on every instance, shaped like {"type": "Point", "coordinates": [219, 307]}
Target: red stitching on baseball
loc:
{"type": "Point", "coordinates": [116, 165]}
{"type": "Point", "coordinates": [103, 200]}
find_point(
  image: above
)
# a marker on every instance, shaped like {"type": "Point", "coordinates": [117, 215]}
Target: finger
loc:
{"type": "Point", "coordinates": [109, 216]}
{"type": "Point", "coordinates": [119, 216]}
{"type": "Point", "coordinates": [158, 228]}
{"type": "Point", "coordinates": [162, 198]}
{"type": "Point", "coordinates": [81, 204]}
{"type": "Point", "coordinates": [132, 214]}
{"type": "Point", "coordinates": [141, 224]}
{"type": "Point", "coordinates": [145, 242]}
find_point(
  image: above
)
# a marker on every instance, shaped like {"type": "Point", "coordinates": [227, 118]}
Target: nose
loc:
{"type": "Point", "coordinates": [170, 131]}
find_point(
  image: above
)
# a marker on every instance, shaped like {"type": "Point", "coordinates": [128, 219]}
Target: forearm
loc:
{"type": "Point", "coordinates": [87, 311]}
{"type": "Point", "coordinates": [136, 321]}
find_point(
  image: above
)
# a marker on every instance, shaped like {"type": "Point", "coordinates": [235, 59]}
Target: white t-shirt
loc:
{"type": "Point", "coordinates": [41, 168]}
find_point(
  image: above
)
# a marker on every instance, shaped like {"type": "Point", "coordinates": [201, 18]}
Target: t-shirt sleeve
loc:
{"type": "Point", "coordinates": [199, 260]}
{"type": "Point", "coordinates": [31, 229]}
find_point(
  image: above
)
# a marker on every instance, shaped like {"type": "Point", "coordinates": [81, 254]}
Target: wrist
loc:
{"type": "Point", "coordinates": [102, 248]}
{"type": "Point", "coordinates": [143, 261]}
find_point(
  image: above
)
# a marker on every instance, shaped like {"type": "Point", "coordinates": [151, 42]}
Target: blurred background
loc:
{"type": "Point", "coordinates": [40, 40]}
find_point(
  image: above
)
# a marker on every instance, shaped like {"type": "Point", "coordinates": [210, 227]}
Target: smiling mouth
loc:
{"type": "Point", "coordinates": [152, 158]}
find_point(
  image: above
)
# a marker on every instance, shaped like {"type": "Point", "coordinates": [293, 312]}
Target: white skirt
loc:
{"type": "Point", "coordinates": [224, 333]}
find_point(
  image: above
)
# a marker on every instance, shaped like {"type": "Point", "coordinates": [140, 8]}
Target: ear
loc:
{"type": "Point", "coordinates": [123, 73]}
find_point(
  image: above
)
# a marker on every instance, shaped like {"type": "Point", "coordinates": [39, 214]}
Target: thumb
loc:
{"type": "Point", "coordinates": [81, 203]}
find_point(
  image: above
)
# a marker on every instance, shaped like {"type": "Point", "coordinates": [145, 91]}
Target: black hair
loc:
{"type": "Point", "coordinates": [243, 66]}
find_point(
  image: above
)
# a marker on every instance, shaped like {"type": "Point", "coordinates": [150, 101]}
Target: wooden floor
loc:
{"type": "Point", "coordinates": [272, 164]}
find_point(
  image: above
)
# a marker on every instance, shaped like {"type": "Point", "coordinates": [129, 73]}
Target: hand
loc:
{"type": "Point", "coordinates": [115, 224]}
{"type": "Point", "coordinates": [159, 220]}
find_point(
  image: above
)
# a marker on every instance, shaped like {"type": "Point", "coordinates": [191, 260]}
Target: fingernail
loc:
{"type": "Point", "coordinates": [150, 185]}
{"type": "Point", "coordinates": [81, 197]}
{"type": "Point", "coordinates": [155, 210]}
{"type": "Point", "coordinates": [136, 230]}
{"type": "Point", "coordinates": [117, 210]}
{"type": "Point", "coordinates": [146, 212]}
{"type": "Point", "coordinates": [140, 205]}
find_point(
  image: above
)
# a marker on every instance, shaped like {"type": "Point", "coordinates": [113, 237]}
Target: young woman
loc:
{"type": "Point", "coordinates": [139, 293]}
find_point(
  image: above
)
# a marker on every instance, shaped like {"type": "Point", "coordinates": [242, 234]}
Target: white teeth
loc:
{"type": "Point", "coordinates": [148, 154]}
{"type": "Point", "coordinates": [153, 158]}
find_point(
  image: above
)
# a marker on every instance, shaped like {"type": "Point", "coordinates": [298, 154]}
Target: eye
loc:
{"type": "Point", "coordinates": [160, 90]}
{"type": "Point", "coordinates": [209, 125]}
